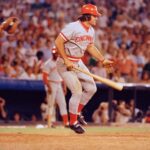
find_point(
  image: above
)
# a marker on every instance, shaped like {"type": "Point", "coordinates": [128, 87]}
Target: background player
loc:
{"type": "Point", "coordinates": [81, 86]}
{"type": "Point", "coordinates": [54, 90]}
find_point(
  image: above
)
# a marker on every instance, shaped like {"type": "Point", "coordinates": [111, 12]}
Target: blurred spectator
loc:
{"type": "Point", "coordinates": [123, 28]}
{"type": "Point", "coordinates": [145, 78]}
{"type": "Point", "coordinates": [3, 113]}
{"type": "Point", "coordinates": [137, 114]}
{"type": "Point", "coordinates": [147, 65]}
{"type": "Point", "coordinates": [33, 118]}
{"type": "Point", "coordinates": [147, 116]}
{"type": "Point", "coordinates": [28, 74]}
{"type": "Point", "coordinates": [44, 108]}
{"type": "Point", "coordinates": [123, 114]}
{"type": "Point", "coordinates": [139, 60]}
{"type": "Point", "coordinates": [117, 76]}
{"type": "Point", "coordinates": [127, 67]}
{"type": "Point", "coordinates": [100, 115]}
{"type": "Point", "coordinates": [17, 117]}
{"type": "Point", "coordinates": [16, 69]}
{"type": "Point", "coordinates": [99, 70]}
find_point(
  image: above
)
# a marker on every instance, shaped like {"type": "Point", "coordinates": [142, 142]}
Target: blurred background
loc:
{"type": "Point", "coordinates": [122, 33]}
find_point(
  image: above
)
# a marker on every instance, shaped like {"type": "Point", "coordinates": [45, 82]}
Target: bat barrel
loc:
{"type": "Point", "coordinates": [106, 81]}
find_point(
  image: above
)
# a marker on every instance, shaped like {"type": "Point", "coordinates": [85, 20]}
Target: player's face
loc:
{"type": "Point", "coordinates": [93, 20]}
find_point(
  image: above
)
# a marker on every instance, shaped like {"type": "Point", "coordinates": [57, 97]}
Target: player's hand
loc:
{"type": "Point", "coordinates": [69, 64]}
{"type": "Point", "coordinates": [108, 65]}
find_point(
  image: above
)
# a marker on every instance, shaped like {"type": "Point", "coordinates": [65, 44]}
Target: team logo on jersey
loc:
{"type": "Point", "coordinates": [84, 38]}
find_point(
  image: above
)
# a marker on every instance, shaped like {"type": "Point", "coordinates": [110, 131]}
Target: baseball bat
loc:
{"type": "Point", "coordinates": [106, 81]}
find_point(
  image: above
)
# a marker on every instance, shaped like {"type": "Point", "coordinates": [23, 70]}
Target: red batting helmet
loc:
{"type": "Point", "coordinates": [90, 9]}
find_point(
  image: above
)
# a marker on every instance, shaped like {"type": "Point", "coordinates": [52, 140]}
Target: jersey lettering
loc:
{"type": "Point", "coordinates": [84, 38]}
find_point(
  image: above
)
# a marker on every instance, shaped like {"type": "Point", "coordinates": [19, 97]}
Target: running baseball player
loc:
{"type": "Point", "coordinates": [54, 90]}
{"type": "Point", "coordinates": [72, 42]}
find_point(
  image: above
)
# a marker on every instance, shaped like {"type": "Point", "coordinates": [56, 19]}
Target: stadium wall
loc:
{"type": "Point", "coordinates": [26, 96]}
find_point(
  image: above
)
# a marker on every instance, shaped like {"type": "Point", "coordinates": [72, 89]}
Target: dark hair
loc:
{"type": "Point", "coordinates": [14, 63]}
{"type": "Point", "coordinates": [85, 17]}
{"type": "Point", "coordinates": [39, 55]}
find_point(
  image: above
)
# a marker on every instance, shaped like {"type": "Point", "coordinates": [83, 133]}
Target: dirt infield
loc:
{"type": "Point", "coordinates": [129, 137]}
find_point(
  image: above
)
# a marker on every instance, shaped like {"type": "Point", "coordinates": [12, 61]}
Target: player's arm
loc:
{"type": "Point", "coordinates": [98, 55]}
{"type": "Point", "coordinates": [46, 81]}
{"type": "Point", "coordinates": [95, 52]}
{"type": "Point", "coordinates": [59, 43]}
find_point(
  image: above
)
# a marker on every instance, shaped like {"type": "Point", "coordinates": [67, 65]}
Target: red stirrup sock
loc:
{"type": "Point", "coordinates": [73, 118]}
{"type": "Point", "coordinates": [80, 107]}
{"type": "Point", "coordinates": [65, 119]}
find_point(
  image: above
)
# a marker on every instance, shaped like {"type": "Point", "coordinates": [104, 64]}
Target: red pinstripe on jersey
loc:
{"type": "Point", "coordinates": [63, 36]}
{"type": "Point", "coordinates": [74, 59]}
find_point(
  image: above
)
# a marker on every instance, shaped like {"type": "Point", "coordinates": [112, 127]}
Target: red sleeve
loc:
{"type": "Point", "coordinates": [45, 77]}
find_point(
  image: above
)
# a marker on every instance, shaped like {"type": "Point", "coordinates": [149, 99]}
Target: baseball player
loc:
{"type": "Point", "coordinates": [54, 90]}
{"type": "Point", "coordinates": [72, 42]}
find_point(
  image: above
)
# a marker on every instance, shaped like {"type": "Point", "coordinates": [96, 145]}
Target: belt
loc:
{"type": "Point", "coordinates": [74, 59]}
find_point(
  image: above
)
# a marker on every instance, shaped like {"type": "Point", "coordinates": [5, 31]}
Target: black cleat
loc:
{"type": "Point", "coordinates": [77, 128]}
{"type": "Point", "coordinates": [81, 120]}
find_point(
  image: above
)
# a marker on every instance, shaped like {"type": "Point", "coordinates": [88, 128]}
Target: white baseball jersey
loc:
{"type": "Point", "coordinates": [77, 33]}
{"type": "Point", "coordinates": [57, 94]}
{"type": "Point", "coordinates": [50, 67]}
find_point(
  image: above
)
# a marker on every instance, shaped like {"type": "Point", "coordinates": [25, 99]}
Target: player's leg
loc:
{"type": "Point", "coordinates": [50, 101]}
{"type": "Point", "coordinates": [60, 100]}
{"type": "Point", "coordinates": [71, 80]}
{"type": "Point", "coordinates": [89, 89]}
{"type": "Point", "coordinates": [74, 86]}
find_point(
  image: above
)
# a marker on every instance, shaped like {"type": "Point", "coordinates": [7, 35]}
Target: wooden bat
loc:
{"type": "Point", "coordinates": [106, 81]}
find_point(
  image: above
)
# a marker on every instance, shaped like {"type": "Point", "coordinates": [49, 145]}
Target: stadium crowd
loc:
{"type": "Point", "coordinates": [122, 32]}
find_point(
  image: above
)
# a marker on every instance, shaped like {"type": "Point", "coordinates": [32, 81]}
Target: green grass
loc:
{"type": "Point", "coordinates": [59, 130]}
